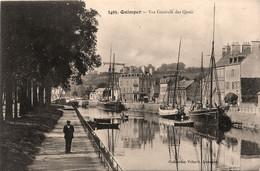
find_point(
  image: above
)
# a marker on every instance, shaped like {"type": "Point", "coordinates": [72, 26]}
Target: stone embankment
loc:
{"type": "Point", "coordinates": [148, 107]}
{"type": "Point", "coordinates": [247, 116]}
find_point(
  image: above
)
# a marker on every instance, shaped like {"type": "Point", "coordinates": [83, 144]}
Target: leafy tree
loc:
{"type": "Point", "coordinates": [151, 66]}
{"type": "Point", "coordinates": [170, 68]}
{"type": "Point", "coordinates": [44, 44]}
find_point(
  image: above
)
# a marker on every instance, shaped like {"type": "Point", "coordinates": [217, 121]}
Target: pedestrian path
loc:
{"type": "Point", "coordinates": [52, 151]}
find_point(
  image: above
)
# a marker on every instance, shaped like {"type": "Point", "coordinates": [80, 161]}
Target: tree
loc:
{"type": "Point", "coordinates": [170, 68]}
{"type": "Point", "coordinates": [151, 66]}
{"type": "Point", "coordinates": [44, 45]}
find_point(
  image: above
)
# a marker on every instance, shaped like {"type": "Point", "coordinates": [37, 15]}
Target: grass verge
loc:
{"type": "Point", "coordinates": [22, 137]}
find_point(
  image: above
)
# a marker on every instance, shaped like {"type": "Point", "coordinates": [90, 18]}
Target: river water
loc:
{"type": "Point", "coordinates": [148, 142]}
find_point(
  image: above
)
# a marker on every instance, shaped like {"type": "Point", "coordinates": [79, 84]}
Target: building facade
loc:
{"type": "Point", "coordinates": [183, 85]}
{"type": "Point", "coordinates": [237, 64]}
{"type": "Point", "coordinates": [136, 86]}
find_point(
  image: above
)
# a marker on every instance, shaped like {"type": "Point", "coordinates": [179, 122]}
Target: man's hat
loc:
{"type": "Point", "coordinates": [68, 121]}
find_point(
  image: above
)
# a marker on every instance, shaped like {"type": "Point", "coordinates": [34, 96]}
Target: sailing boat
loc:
{"type": "Point", "coordinates": [175, 111]}
{"type": "Point", "coordinates": [197, 105]}
{"type": "Point", "coordinates": [112, 104]}
{"type": "Point", "coordinates": [210, 113]}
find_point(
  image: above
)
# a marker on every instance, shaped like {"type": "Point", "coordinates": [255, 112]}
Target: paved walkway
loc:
{"type": "Point", "coordinates": [52, 151]}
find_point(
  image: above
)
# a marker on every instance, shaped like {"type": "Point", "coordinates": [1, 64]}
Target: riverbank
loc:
{"type": "Point", "coordinates": [22, 137]}
{"type": "Point", "coordinates": [149, 107]}
{"type": "Point", "coordinates": [52, 155]}
{"type": "Point", "coordinates": [247, 116]}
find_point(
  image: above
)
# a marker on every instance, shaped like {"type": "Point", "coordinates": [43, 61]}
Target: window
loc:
{"type": "Point", "coordinates": [233, 85]}
{"type": "Point", "coordinates": [230, 60]}
{"type": "Point", "coordinates": [121, 83]}
{"type": "Point", "coordinates": [232, 73]}
{"type": "Point", "coordinates": [227, 85]}
{"type": "Point", "coordinates": [127, 83]}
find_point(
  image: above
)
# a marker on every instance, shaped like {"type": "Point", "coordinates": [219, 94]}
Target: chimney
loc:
{"type": "Point", "coordinates": [256, 48]}
{"type": "Point", "coordinates": [143, 69]}
{"type": "Point", "coordinates": [131, 69]}
{"type": "Point", "coordinates": [245, 46]}
{"type": "Point", "coordinates": [125, 70]}
{"type": "Point", "coordinates": [235, 48]}
{"type": "Point", "coordinates": [151, 71]}
{"type": "Point", "coordinates": [224, 50]}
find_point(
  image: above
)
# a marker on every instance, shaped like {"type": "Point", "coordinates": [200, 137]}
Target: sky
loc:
{"type": "Point", "coordinates": [148, 38]}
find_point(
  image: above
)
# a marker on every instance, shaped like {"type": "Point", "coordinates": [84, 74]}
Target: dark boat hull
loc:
{"type": "Point", "coordinates": [107, 126]}
{"type": "Point", "coordinates": [184, 124]}
{"type": "Point", "coordinates": [99, 125]}
{"type": "Point", "coordinates": [216, 116]}
{"type": "Point", "coordinates": [111, 106]}
{"type": "Point", "coordinates": [203, 115]}
{"type": "Point", "coordinates": [102, 120]}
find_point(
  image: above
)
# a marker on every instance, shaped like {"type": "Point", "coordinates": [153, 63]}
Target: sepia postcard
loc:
{"type": "Point", "coordinates": [130, 85]}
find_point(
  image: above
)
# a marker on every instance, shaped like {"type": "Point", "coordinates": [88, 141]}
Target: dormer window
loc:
{"type": "Point", "coordinates": [230, 60]}
{"type": "Point", "coordinates": [235, 59]}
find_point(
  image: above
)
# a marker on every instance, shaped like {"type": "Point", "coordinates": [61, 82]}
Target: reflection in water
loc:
{"type": "Point", "coordinates": [147, 142]}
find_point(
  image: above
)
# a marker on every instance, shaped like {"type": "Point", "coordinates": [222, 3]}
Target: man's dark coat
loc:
{"type": "Point", "coordinates": [68, 132]}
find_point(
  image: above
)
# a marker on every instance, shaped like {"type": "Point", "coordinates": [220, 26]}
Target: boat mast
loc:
{"type": "Point", "coordinates": [201, 78]}
{"type": "Point", "coordinates": [212, 62]}
{"type": "Point", "coordinates": [113, 77]}
{"type": "Point", "coordinates": [176, 77]}
{"type": "Point", "coordinates": [109, 71]}
{"type": "Point", "coordinates": [169, 89]}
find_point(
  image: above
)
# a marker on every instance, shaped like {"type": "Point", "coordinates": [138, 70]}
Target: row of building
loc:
{"type": "Point", "coordinates": [137, 84]}
{"type": "Point", "coordinates": [238, 72]}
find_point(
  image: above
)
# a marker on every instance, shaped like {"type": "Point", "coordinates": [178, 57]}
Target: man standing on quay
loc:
{"type": "Point", "coordinates": [68, 131]}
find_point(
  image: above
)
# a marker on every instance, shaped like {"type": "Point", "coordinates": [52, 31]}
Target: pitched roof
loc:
{"type": "Point", "coordinates": [225, 59]}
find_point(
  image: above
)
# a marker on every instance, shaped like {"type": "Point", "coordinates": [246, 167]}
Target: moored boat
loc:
{"type": "Point", "coordinates": [204, 111]}
{"type": "Point", "coordinates": [115, 106]}
{"type": "Point", "coordinates": [100, 125]}
{"type": "Point", "coordinates": [111, 101]}
{"type": "Point", "coordinates": [103, 120]}
{"type": "Point", "coordinates": [175, 111]}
